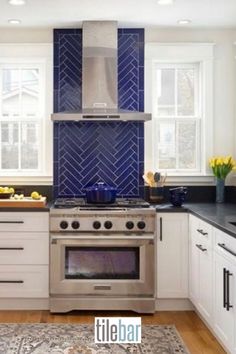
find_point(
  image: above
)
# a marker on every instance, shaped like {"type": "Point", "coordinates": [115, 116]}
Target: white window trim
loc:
{"type": "Point", "coordinates": [202, 53]}
{"type": "Point", "coordinates": [36, 53]}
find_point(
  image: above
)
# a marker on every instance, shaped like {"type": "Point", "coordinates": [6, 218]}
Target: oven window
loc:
{"type": "Point", "coordinates": [102, 262]}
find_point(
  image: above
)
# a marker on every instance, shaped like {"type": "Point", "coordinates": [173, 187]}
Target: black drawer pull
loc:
{"type": "Point", "coordinates": [202, 232]}
{"type": "Point", "coordinates": [201, 248]}
{"type": "Point", "coordinates": [224, 288]}
{"type": "Point", "coordinates": [228, 306]}
{"type": "Point", "coordinates": [161, 238]}
{"type": "Point", "coordinates": [11, 248]}
{"type": "Point", "coordinates": [11, 222]}
{"type": "Point", "coordinates": [11, 281]}
{"type": "Point", "coordinates": [222, 245]}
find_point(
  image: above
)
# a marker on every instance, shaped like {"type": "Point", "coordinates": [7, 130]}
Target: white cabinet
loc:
{"type": "Point", "coordinates": [200, 266]}
{"type": "Point", "coordinates": [225, 289]}
{"type": "Point", "coordinates": [24, 255]}
{"type": "Point", "coordinates": [172, 255]}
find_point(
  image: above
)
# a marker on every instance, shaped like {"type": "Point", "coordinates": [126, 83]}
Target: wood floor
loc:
{"type": "Point", "coordinates": [194, 333]}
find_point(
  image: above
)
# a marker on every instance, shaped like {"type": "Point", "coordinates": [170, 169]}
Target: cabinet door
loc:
{"type": "Point", "coordinates": [172, 255]}
{"type": "Point", "coordinates": [224, 318]}
{"type": "Point", "coordinates": [193, 269]}
{"type": "Point", "coordinates": [204, 302]}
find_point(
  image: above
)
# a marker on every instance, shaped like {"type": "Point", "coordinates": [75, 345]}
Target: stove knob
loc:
{"type": "Point", "coordinates": [141, 225]}
{"type": "Point", "coordinates": [96, 225]}
{"type": "Point", "coordinates": [129, 225]}
{"type": "Point", "coordinates": [63, 225]}
{"type": "Point", "coordinates": [108, 225]}
{"type": "Point", "coordinates": [75, 225]}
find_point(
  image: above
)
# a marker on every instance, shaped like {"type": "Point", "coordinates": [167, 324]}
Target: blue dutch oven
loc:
{"type": "Point", "coordinates": [100, 193]}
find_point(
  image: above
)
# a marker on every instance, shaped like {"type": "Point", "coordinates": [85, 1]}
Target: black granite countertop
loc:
{"type": "Point", "coordinates": [218, 215]}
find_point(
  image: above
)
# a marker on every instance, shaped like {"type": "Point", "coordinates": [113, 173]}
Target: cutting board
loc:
{"type": "Point", "coordinates": [26, 202]}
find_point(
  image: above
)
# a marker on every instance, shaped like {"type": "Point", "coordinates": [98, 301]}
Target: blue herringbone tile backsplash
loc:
{"type": "Point", "coordinates": [88, 152]}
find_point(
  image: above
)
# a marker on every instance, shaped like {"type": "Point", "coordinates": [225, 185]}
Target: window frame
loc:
{"type": "Point", "coordinates": [197, 117]}
{"type": "Point", "coordinates": [30, 55]}
{"type": "Point", "coordinates": [182, 53]}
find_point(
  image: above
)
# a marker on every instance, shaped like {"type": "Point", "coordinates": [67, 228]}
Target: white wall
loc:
{"type": "Point", "coordinates": [224, 75]}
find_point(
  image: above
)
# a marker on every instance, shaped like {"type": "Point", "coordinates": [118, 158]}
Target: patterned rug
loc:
{"type": "Point", "coordinates": [79, 339]}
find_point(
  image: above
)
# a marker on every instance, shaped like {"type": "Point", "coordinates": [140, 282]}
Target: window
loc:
{"type": "Point", "coordinates": [178, 116]}
{"type": "Point", "coordinates": [25, 107]}
{"type": "Point", "coordinates": [178, 92]}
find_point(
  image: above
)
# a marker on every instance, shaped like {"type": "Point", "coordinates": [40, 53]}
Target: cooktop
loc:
{"type": "Point", "coordinates": [62, 203]}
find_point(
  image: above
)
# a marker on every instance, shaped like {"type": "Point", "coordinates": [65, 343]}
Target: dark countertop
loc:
{"type": "Point", "coordinates": [217, 215]}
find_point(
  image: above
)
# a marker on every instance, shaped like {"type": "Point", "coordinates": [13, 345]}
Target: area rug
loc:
{"type": "Point", "coordinates": [79, 339]}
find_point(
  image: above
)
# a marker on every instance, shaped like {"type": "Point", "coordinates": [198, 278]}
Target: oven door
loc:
{"type": "Point", "coordinates": [91, 266]}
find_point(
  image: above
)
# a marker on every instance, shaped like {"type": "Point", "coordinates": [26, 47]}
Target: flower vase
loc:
{"type": "Point", "coordinates": [220, 190]}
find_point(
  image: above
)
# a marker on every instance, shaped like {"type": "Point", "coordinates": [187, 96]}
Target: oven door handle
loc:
{"type": "Point", "coordinates": [150, 238]}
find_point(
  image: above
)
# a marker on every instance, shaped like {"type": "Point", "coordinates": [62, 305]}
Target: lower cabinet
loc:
{"type": "Point", "coordinates": [225, 302]}
{"type": "Point", "coordinates": [24, 255]}
{"type": "Point", "coordinates": [172, 255]}
{"type": "Point", "coordinates": [201, 266]}
{"type": "Point", "coordinates": [225, 289]}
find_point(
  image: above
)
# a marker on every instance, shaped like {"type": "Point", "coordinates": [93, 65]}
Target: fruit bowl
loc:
{"type": "Point", "coordinates": [5, 195]}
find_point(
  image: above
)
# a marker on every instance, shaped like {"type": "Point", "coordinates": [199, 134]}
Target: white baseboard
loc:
{"type": "Point", "coordinates": [174, 305]}
{"type": "Point", "coordinates": [24, 304]}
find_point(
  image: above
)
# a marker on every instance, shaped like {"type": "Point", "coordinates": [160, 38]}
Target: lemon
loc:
{"type": "Point", "coordinates": [1, 189]}
{"type": "Point", "coordinates": [11, 190]}
{"type": "Point", "coordinates": [35, 195]}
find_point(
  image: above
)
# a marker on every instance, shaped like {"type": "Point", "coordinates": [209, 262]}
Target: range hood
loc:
{"type": "Point", "coordinates": [99, 73]}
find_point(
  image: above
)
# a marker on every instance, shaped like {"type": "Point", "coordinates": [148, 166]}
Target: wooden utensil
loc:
{"type": "Point", "coordinates": [150, 177]}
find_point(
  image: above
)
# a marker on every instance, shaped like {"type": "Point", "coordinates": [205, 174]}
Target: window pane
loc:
{"type": "Point", "coordinates": [30, 92]}
{"type": "Point", "coordinates": [166, 92]}
{"type": "Point", "coordinates": [11, 93]}
{"type": "Point", "coordinates": [29, 145]}
{"type": "Point", "coordinates": [166, 146]}
{"type": "Point", "coordinates": [187, 145]}
{"type": "Point", "coordinates": [185, 92]}
{"type": "Point", "coordinates": [9, 148]}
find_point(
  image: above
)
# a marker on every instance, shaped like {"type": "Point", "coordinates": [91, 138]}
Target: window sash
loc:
{"type": "Point", "coordinates": [197, 85]}
{"type": "Point", "coordinates": [197, 141]}
{"type": "Point", "coordinates": [21, 118]}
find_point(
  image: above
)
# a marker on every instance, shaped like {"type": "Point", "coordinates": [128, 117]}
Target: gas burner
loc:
{"type": "Point", "coordinates": [67, 203]}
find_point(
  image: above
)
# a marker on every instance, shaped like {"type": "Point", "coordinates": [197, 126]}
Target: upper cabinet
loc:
{"type": "Point", "coordinates": [172, 255]}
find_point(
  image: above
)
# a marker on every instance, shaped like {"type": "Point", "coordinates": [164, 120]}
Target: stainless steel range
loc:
{"type": "Point", "coordinates": [102, 256]}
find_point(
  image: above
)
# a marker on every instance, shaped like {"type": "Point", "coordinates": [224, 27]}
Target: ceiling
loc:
{"type": "Point", "coordinates": [71, 13]}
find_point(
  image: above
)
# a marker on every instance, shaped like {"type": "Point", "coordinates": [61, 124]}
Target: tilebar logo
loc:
{"type": "Point", "coordinates": [117, 329]}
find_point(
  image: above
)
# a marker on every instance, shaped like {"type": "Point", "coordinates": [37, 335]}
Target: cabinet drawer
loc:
{"type": "Point", "coordinates": [25, 221]}
{"type": "Point", "coordinates": [24, 248]}
{"type": "Point", "coordinates": [24, 281]}
{"type": "Point", "coordinates": [201, 229]}
{"type": "Point", "coordinates": [225, 244]}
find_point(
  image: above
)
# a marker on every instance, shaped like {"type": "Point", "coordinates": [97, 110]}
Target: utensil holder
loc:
{"type": "Point", "coordinates": [156, 194]}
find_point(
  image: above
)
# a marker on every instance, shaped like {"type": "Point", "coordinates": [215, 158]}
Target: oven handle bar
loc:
{"type": "Point", "coordinates": [66, 238]}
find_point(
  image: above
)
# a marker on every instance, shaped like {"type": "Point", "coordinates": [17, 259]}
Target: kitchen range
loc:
{"type": "Point", "coordinates": [102, 255]}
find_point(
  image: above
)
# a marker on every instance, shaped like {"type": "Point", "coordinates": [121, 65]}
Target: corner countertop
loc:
{"type": "Point", "coordinates": [218, 215]}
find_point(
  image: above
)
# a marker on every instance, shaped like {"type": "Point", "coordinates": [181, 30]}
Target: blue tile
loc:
{"type": "Point", "coordinates": [87, 152]}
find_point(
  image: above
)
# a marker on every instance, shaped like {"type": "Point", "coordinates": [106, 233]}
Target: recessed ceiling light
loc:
{"type": "Point", "coordinates": [165, 2]}
{"type": "Point", "coordinates": [184, 22]}
{"type": "Point", "coordinates": [16, 2]}
{"type": "Point", "coordinates": [14, 21]}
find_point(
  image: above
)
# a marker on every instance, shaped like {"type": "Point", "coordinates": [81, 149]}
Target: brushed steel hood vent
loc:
{"type": "Point", "coordinates": [99, 84]}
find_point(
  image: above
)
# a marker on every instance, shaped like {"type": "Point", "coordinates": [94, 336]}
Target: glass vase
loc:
{"type": "Point", "coordinates": [220, 190]}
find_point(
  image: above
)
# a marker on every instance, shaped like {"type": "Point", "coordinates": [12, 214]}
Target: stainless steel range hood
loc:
{"type": "Point", "coordinates": [99, 84]}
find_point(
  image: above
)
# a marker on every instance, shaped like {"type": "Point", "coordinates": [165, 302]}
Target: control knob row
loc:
{"type": "Point", "coordinates": [140, 224]}
{"type": "Point", "coordinates": [64, 225]}
{"type": "Point", "coordinates": [97, 225]}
